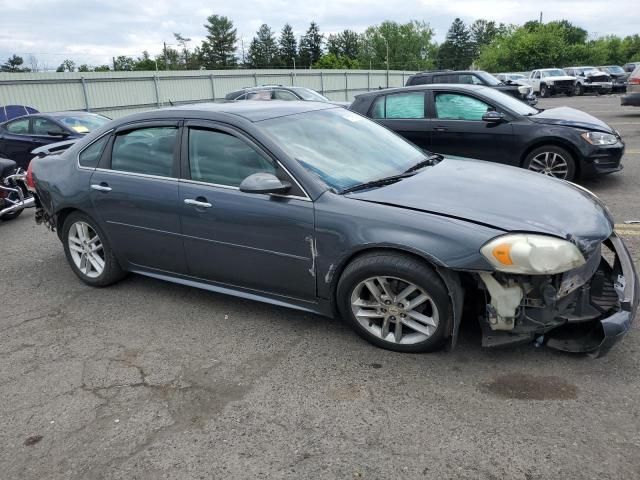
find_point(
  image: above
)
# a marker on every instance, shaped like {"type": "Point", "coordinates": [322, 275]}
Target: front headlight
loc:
{"type": "Point", "coordinates": [532, 254]}
{"type": "Point", "coordinates": [599, 138]}
{"type": "Point", "coordinates": [523, 89]}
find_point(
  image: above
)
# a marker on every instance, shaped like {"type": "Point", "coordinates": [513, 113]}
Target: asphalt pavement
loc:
{"type": "Point", "coordinates": [150, 380]}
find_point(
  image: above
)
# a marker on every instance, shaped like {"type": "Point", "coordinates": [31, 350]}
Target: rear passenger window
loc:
{"type": "Point", "coordinates": [90, 156]}
{"type": "Point", "coordinates": [222, 159]}
{"type": "Point", "coordinates": [400, 106]}
{"type": "Point", "coordinates": [20, 127]}
{"type": "Point", "coordinates": [147, 150]}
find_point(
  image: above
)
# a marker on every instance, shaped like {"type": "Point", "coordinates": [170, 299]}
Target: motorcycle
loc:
{"type": "Point", "coordinates": [14, 192]}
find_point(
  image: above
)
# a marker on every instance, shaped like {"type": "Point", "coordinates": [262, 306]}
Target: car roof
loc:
{"type": "Point", "coordinates": [254, 111]}
{"type": "Point", "coordinates": [431, 86]}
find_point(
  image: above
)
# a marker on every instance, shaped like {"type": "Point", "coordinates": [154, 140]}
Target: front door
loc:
{"type": "Point", "coordinates": [458, 129]}
{"type": "Point", "coordinates": [136, 196]}
{"type": "Point", "coordinates": [259, 242]}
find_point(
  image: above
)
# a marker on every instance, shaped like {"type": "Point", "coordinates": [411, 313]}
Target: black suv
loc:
{"type": "Point", "coordinates": [473, 77]}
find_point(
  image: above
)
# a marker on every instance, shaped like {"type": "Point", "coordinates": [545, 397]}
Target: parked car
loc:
{"type": "Point", "coordinates": [512, 78]}
{"type": "Point", "coordinates": [18, 137]}
{"type": "Point", "coordinates": [590, 80]}
{"type": "Point", "coordinates": [311, 206]}
{"type": "Point", "coordinates": [618, 76]}
{"type": "Point", "coordinates": [280, 92]}
{"type": "Point", "coordinates": [631, 66]}
{"type": "Point", "coordinates": [8, 112]}
{"type": "Point", "coordinates": [483, 123]}
{"type": "Point", "coordinates": [551, 81]}
{"type": "Point", "coordinates": [473, 77]}
{"type": "Point", "coordinates": [632, 98]}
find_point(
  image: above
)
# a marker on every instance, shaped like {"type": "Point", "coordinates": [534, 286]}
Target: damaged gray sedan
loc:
{"type": "Point", "coordinates": [313, 207]}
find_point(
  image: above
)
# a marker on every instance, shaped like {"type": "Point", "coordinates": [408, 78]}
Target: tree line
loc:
{"type": "Point", "coordinates": [482, 44]}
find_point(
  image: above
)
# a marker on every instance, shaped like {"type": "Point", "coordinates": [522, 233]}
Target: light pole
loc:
{"type": "Point", "coordinates": [387, 45]}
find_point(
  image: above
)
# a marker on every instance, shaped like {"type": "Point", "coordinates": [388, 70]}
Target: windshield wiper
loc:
{"type": "Point", "coordinates": [430, 161]}
{"type": "Point", "coordinates": [376, 183]}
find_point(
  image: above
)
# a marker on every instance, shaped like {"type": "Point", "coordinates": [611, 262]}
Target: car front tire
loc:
{"type": "Point", "coordinates": [544, 91]}
{"type": "Point", "coordinates": [395, 301]}
{"type": "Point", "coordinates": [88, 251]}
{"type": "Point", "coordinates": [552, 161]}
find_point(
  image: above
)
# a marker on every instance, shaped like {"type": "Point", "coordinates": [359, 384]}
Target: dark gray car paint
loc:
{"type": "Point", "coordinates": [299, 246]}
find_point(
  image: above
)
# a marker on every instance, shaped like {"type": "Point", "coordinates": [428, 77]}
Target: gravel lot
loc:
{"type": "Point", "coordinates": [149, 380]}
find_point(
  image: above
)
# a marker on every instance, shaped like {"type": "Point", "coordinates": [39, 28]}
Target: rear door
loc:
{"type": "Point", "coordinates": [405, 114]}
{"type": "Point", "coordinates": [258, 242]}
{"type": "Point", "coordinates": [16, 141]}
{"type": "Point", "coordinates": [135, 192]}
{"type": "Point", "coordinates": [458, 128]}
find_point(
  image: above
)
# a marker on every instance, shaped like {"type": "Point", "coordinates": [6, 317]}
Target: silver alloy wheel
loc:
{"type": "Point", "coordinates": [394, 310]}
{"type": "Point", "coordinates": [550, 163]}
{"type": "Point", "coordinates": [86, 249]}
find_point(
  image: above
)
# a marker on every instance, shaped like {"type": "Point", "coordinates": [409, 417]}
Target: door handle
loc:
{"type": "Point", "coordinates": [440, 129]}
{"type": "Point", "coordinates": [197, 203]}
{"type": "Point", "coordinates": [103, 187]}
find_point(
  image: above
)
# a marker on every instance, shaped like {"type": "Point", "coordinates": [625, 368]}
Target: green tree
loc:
{"type": "Point", "coordinates": [219, 49]}
{"type": "Point", "coordinates": [124, 63]}
{"type": "Point", "coordinates": [456, 52]}
{"type": "Point", "coordinates": [263, 51]}
{"type": "Point", "coordinates": [331, 60]}
{"type": "Point", "coordinates": [287, 45]}
{"type": "Point", "coordinates": [482, 34]}
{"type": "Point", "coordinates": [410, 46]}
{"type": "Point", "coordinates": [102, 68]}
{"type": "Point", "coordinates": [345, 43]}
{"type": "Point", "coordinates": [144, 62]}
{"type": "Point", "coordinates": [84, 68]}
{"type": "Point", "coordinates": [14, 64]}
{"type": "Point", "coordinates": [311, 45]}
{"type": "Point", "coordinates": [67, 66]}
{"type": "Point", "coordinates": [183, 42]}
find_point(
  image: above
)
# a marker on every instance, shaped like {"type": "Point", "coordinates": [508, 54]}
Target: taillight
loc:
{"type": "Point", "coordinates": [31, 184]}
{"type": "Point", "coordinates": [634, 81]}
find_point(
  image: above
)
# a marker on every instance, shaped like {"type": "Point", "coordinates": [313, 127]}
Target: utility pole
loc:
{"type": "Point", "coordinates": [166, 65]}
{"type": "Point", "coordinates": [387, 45]}
{"type": "Point", "coordinates": [540, 18]}
{"type": "Point", "coordinates": [113, 59]}
{"type": "Point", "coordinates": [242, 46]}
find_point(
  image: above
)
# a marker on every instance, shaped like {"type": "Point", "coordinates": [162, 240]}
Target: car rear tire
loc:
{"type": "Point", "coordinates": [544, 91]}
{"type": "Point", "coordinates": [395, 301]}
{"type": "Point", "coordinates": [552, 161]}
{"type": "Point", "coordinates": [88, 251]}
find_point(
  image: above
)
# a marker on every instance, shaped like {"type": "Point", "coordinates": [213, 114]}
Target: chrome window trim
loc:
{"type": "Point", "coordinates": [135, 174]}
{"type": "Point", "coordinates": [229, 187]}
{"type": "Point", "coordinates": [81, 151]}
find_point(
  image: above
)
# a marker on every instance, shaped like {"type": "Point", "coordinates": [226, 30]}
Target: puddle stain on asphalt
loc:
{"type": "Point", "coordinates": [523, 386]}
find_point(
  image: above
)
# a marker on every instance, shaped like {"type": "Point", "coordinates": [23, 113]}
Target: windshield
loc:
{"type": "Point", "coordinates": [614, 69]}
{"type": "Point", "coordinates": [83, 123]}
{"type": "Point", "coordinates": [588, 70]}
{"type": "Point", "coordinates": [516, 77]}
{"type": "Point", "coordinates": [311, 95]}
{"type": "Point", "coordinates": [342, 148]}
{"type": "Point", "coordinates": [488, 78]}
{"type": "Point", "coordinates": [556, 72]}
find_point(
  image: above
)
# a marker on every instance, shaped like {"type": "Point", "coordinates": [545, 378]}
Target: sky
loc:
{"type": "Point", "coordinates": [91, 32]}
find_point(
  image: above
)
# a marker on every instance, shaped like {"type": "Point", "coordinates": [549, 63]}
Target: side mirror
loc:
{"type": "Point", "coordinates": [263, 182]}
{"type": "Point", "coordinates": [491, 116]}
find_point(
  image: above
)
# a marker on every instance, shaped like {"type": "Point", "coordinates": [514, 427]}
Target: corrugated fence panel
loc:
{"type": "Point", "coordinates": [120, 93]}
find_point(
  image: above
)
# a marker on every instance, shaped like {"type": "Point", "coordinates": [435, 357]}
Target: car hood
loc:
{"type": "Point", "coordinates": [502, 197]}
{"type": "Point", "coordinates": [571, 118]}
{"type": "Point", "coordinates": [562, 77]}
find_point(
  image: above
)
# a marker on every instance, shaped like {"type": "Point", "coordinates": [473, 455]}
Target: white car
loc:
{"type": "Point", "coordinates": [590, 79]}
{"type": "Point", "coordinates": [551, 81]}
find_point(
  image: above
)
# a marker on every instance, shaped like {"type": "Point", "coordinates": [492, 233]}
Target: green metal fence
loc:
{"type": "Point", "coordinates": [120, 93]}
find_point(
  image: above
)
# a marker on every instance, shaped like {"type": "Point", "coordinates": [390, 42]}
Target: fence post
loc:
{"type": "Point", "coordinates": [213, 88]}
{"type": "Point", "coordinates": [403, 78]}
{"type": "Point", "coordinates": [369, 81]}
{"type": "Point", "coordinates": [86, 94]}
{"type": "Point", "coordinates": [291, 75]}
{"type": "Point", "coordinates": [255, 79]}
{"type": "Point", "coordinates": [155, 83]}
{"type": "Point", "coordinates": [346, 86]}
{"type": "Point", "coordinates": [321, 82]}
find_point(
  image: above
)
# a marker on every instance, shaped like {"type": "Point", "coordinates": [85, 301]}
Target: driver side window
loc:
{"type": "Point", "coordinates": [42, 127]}
{"type": "Point", "coordinates": [220, 158]}
{"type": "Point", "coordinates": [455, 106]}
